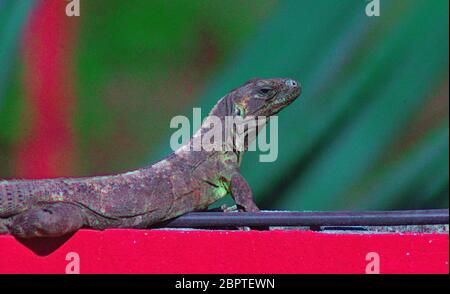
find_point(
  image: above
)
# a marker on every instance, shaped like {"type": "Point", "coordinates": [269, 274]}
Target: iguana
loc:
{"type": "Point", "coordinates": [182, 182]}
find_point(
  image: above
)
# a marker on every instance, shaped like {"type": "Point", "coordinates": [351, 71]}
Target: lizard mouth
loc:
{"type": "Point", "coordinates": [288, 91]}
{"type": "Point", "coordinates": [281, 103]}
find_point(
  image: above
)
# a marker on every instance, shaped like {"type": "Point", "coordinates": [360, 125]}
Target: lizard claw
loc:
{"type": "Point", "coordinates": [226, 208]}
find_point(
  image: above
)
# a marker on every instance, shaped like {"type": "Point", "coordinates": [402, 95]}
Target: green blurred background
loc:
{"type": "Point", "coordinates": [370, 130]}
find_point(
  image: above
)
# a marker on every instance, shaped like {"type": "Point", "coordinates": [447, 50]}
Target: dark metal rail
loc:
{"type": "Point", "coordinates": [310, 218]}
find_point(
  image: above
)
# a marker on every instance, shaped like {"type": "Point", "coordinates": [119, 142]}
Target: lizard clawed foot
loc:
{"type": "Point", "coordinates": [226, 208]}
{"type": "Point", "coordinates": [251, 207]}
{"type": "Point", "coordinates": [223, 208]}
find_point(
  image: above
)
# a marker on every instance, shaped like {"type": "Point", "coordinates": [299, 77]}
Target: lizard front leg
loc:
{"type": "Point", "coordinates": [242, 194]}
{"type": "Point", "coordinates": [49, 221]}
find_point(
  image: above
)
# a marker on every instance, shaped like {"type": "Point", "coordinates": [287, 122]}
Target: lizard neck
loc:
{"type": "Point", "coordinates": [225, 112]}
{"type": "Point", "coordinates": [221, 144]}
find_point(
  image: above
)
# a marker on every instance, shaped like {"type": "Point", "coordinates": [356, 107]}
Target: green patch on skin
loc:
{"type": "Point", "coordinates": [223, 188]}
{"type": "Point", "coordinates": [220, 192]}
{"type": "Point", "coordinates": [57, 198]}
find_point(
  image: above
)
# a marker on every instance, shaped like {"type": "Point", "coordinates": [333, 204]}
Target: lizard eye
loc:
{"type": "Point", "coordinates": [265, 90]}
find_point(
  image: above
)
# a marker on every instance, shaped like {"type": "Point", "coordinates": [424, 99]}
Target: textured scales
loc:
{"type": "Point", "coordinates": [184, 181]}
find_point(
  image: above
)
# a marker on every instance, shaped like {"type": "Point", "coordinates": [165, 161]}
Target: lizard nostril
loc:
{"type": "Point", "coordinates": [292, 83]}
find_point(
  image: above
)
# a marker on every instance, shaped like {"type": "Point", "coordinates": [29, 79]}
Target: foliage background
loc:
{"type": "Point", "coordinates": [369, 132]}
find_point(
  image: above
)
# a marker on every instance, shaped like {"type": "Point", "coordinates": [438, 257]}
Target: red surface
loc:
{"type": "Point", "coordinates": [47, 149]}
{"type": "Point", "coordinates": [193, 251]}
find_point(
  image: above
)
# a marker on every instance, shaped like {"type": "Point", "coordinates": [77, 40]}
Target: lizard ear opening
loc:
{"type": "Point", "coordinates": [239, 111]}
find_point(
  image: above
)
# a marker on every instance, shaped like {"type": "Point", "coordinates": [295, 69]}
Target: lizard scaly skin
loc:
{"type": "Point", "coordinates": [185, 181]}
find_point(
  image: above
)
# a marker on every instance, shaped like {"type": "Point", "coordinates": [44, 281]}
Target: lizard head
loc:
{"type": "Point", "coordinates": [264, 97]}
{"type": "Point", "coordinates": [247, 105]}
